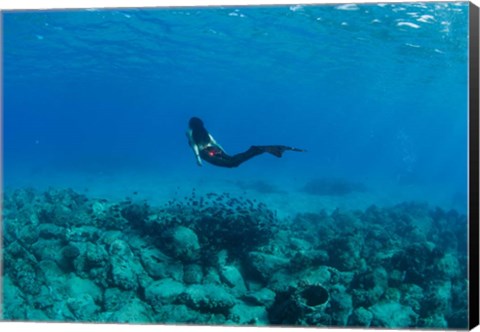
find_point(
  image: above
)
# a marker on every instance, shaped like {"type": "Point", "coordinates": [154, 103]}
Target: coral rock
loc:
{"type": "Point", "coordinates": [83, 307]}
{"type": "Point", "coordinates": [233, 278]}
{"type": "Point", "coordinates": [248, 315]}
{"type": "Point", "coordinates": [162, 292]}
{"type": "Point", "coordinates": [263, 297]}
{"type": "Point", "coordinates": [392, 315]}
{"type": "Point", "coordinates": [208, 298]}
{"type": "Point", "coordinates": [360, 317]}
{"type": "Point", "coordinates": [183, 244]}
{"type": "Point", "coordinates": [266, 265]}
{"type": "Point", "coordinates": [131, 311]}
{"type": "Point", "coordinates": [192, 274]}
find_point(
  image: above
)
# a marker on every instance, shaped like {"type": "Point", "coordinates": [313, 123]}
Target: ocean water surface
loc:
{"type": "Point", "coordinates": [97, 170]}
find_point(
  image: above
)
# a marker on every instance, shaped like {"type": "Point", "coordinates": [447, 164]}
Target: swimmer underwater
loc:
{"type": "Point", "coordinates": [205, 147]}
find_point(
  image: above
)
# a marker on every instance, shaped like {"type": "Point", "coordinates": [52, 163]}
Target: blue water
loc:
{"type": "Point", "coordinates": [375, 93]}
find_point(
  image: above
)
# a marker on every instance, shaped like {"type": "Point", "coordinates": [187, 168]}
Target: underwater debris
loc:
{"type": "Point", "coordinates": [305, 304]}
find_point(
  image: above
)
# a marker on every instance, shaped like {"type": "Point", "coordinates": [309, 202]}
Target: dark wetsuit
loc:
{"type": "Point", "coordinates": [216, 156]}
{"type": "Point", "coordinates": [206, 148]}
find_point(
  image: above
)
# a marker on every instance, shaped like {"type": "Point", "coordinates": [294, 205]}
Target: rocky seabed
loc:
{"type": "Point", "coordinates": [218, 259]}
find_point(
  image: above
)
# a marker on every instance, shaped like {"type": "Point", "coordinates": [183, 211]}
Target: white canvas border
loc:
{"type": "Point", "coordinates": [72, 4]}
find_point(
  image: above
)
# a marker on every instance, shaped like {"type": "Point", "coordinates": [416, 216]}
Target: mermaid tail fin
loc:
{"type": "Point", "coordinates": [278, 150]}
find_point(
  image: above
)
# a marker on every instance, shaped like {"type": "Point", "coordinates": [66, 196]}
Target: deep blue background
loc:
{"type": "Point", "coordinates": [370, 97]}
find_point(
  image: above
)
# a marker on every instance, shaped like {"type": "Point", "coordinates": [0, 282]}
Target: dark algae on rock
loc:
{"type": "Point", "coordinates": [221, 259]}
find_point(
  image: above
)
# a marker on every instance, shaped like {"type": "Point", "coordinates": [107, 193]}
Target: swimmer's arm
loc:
{"type": "Point", "coordinates": [197, 155]}
{"type": "Point", "coordinates": [215, 142]}
{"type": "Point", "coordinates": [194, 148]}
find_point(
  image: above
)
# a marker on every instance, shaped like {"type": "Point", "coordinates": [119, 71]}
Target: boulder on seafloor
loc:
{"type": "Point", "coordinates": [176, 314]}
{"type": "Point", "coordinates": [265, 265]}
{"type": "Point", "coordinates": [182, 243]}
{"type": "Point", "coordinates": [447, 267]}
{"type": "Point", "coordinates": [244, 314]}
{"type": "Point", "coordinates": [162, 292]}
{"type": "Point", "coordinates": [304, 259]}
{"type": "Point", "coordinates": [282, 281]}
{"type": "Point", "coordinates": [360, 317]}
{"type": "Point", "coordinates": [263, 297]}
{"type": "Point", "coordinates": [25, 234]}
{"type": "Point", "coordinates": [122, 275]}
{"type": "Point", "coordinates": [437, 297]}
{"type": "Point", "coordinates": [317, 275]}
{"type": "Point", "coordinates": [154, 262]}
{"type": "Point", "coordinates": [412, 296]}
{"type": "Point", "coordinates": [392, 315]}
{"type": "Point", "coordinates": [208, 298]}
{"type": "Point", "coordinates": [343, 251]}
{"type": "Point", "coordinates": [67, 254]}
{"type": "Point", "coordinates": [52, 231]}
{"type": "Point", "coordinates": [192, 274]}
{"type": "Point", "coordinates": [417, 260]}
{"type": "Point", "coordinates": [211, 276]}
{"type": "Point", "coordinates": [132, 311]}
{"type": "Point", "coordinates": [95, 255]}
{"type": "Point", "coordinates": [340, 305]}
{"type": "Point", "coordinates": [83, 307]}
{"type": "Point", "coordinates": [37, 315]}
{"type": "Point", "coordinates": [17, 250]}
{"type": "Point", "coordinates": [25, 276]}
{"type": "Point", "coordinates": [43, 301]}
{"type": "Point", "coordinates": [90, 263]}
{"type": "Point", "coordinates": [47, 249]}
{"type": "Point", "coordinates": [232, 277]}
{"type": "Point", "coordinates": [114, 298]}
{"type": "Point", "coordinates": [175, 271]}
{"type": "Point", "coordinates": [83, 233]}
{"type": "Point", "coordinates": [374, 283]}
{"type": "Point", "coordinates": [126, 270]}
{"type": "Point", "coordinates": [76, 287]}
{"type": "Point", "coordinates": [51, 275]}
{"type": "Point", "coordinates": [14, 297]}
{"type": "Point", "coordinates": [435, 321]}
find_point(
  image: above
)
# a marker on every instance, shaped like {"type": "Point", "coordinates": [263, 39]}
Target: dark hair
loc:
{"type": "Point", "coordinates": [199, 133]}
